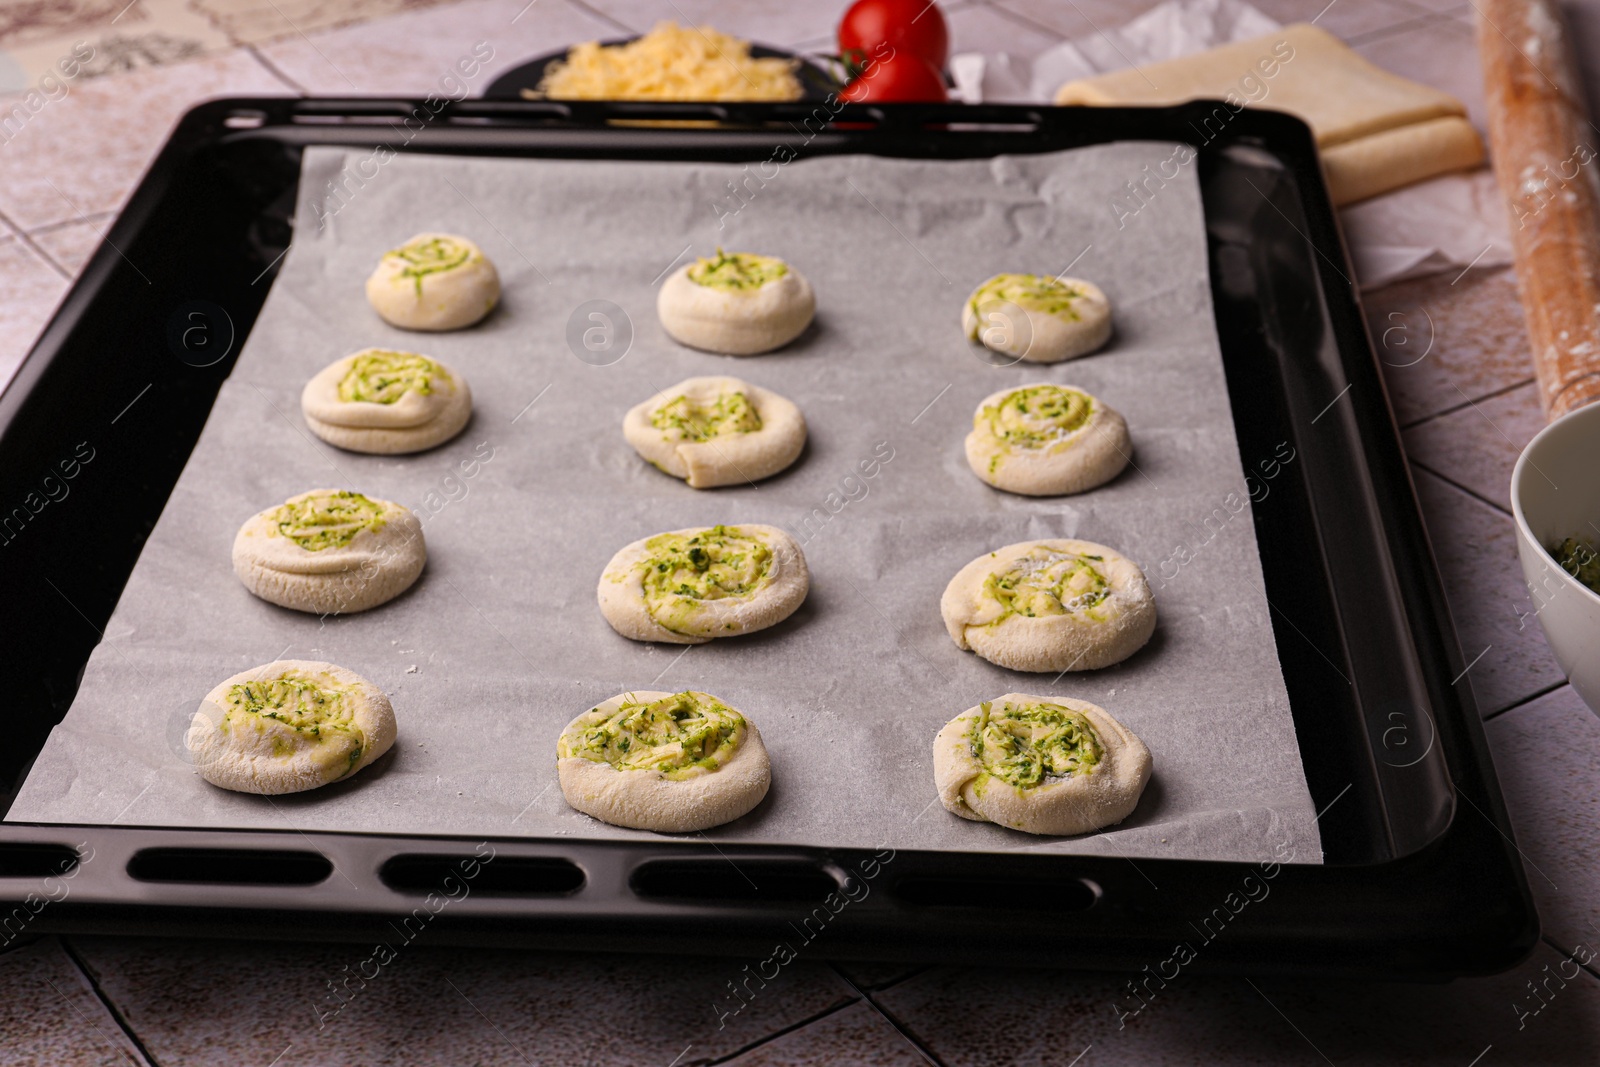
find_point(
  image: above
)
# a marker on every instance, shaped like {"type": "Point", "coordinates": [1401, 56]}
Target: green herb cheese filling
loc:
{"type": "Point", "coordinates": [1579, 559]}
{"type": "Point", "coordinates": [685, 420]}
{"type": "Point", "coordinates": [1047, 582]}
{"type": "Point", "coordinates": [432, 255]}
{"type": "Point", "coordinates": [300, 712]}
{"type": "Point", "coordinates": [679, 736]}
{"type": "Point", "coordinates": [682, 571]}
{"type": "Point", "coordinates": [737, 270]}
{"type": "Point", "coordinates": [1036, 417]}
{"type": "Point", "coordinates": [383, 377]}
{"type": "Point", "coordinates": [327, 520]}
{"type": "Point", "coordinates": [1027, 745]}
{"type": "Point", "coordinates": [1030, 292]}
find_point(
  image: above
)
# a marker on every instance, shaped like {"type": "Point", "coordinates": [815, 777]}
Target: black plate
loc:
{"type": "Point", "coordinates": [815, 83]}
{"type": "Point", "coordinates": [1422, 878]}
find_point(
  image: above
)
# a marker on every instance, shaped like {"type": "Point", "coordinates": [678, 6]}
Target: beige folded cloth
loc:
{"type": "Point", "coordinates": [1376, 131]}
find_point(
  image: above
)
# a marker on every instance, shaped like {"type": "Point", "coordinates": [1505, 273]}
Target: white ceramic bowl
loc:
{"type": "Point", "coordinates": [1555, 494]}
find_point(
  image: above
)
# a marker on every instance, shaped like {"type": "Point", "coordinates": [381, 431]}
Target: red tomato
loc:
{"type": "Point", "coordinates": [915, 26]}
{"type": "Point", "coordinates": [901, 78]}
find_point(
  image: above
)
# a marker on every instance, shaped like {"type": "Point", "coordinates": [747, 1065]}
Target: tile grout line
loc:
{"type": "Point", "coordinates": [1414, 22]}
{"type": "Point", "coordinates": [272, 68]}
{"type": "Point", "coordinates": [922, 1050]}
{"type": "Point", "coordinates": [1474, 494]}
{"type": "Point", "coordinates": [1502, 391]}
{"type": "Point", "coordinates": [1584, 967]}
{"type": "Point", "coordinates": [595, 12]}
{"type": "Point", "coordinates": [782, 1031]}
{"type": "Point", "coordinates": [105, 1000]}
{"type": "Point", "coordinates": [1523, 701]}
{"type": "Point", "coordinates": [38, 249]}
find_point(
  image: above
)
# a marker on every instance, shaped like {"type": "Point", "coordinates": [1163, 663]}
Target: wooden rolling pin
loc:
{"type": "Point", "coordinates": [1547, 162]}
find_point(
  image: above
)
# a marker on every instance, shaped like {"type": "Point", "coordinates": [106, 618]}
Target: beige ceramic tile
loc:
{"type": "Point", "coordinates": [243, 1003]}
{"type": "Point", "coordinates": [1004, 1017]}
{"type": "Point", "coordinates": [855, 1035]}
{"type": "Point", "coordinates": [982, 28]}
{"type": "Point", "coordinates": [50, 1015]}
{"type": "Point", "coordinates": [870, 976]}
{"type": "Point", "coordinates": [1476, 549]}
{"type": "Point", "coordinates": [30, 289]}
{"type": "Point", "coordinates": [780, 23]}
{"type": "Point", "coordinates": [1547, 757]}
{"type": "Point", "coordinates": [1478, 445]}
{"type": "Point", "coordinates": [69, 246]}
{"type": "Point", "coordinates": [82, 155]}
{"type": "Point", "coordinates": [1443, 342]}
{"type": "Point", "coordinates": [420, 52]}
{"type": "Point", "coordinates": [1345, 18]}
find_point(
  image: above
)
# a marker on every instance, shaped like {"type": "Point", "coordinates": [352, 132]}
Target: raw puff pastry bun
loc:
{"type": "Point", "coordinates": [736, 303]}
{"type": "Point", "coordinates": [717, 431]}
{"type": "Point", "coordinates": [330, 551]}
{"type": "Point", "coordinates": [1050, 606]}
{"type": "Point", "coordinates": [288, 726]}
{"type": "Point", "coordinates": [1043, 765]}
{"type": "Point", "coordinates": [675, 762]}
{"type": "Point", "coordinates": [687, 587]}
{"type": "Point", "coordinates": [435, 281]}
{"type": "Point", "coordinates": [386, 403]}
{"type": "Point", "coordinates": [1047, 440]}
{"type": "Point", "coordinates": [1062, 318]}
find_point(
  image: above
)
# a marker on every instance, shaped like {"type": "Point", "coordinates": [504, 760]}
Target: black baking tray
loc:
{"type": "Point", "coordinates": [1421, 875]}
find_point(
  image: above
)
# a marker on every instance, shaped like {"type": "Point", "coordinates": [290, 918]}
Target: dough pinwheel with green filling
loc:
{"type": "Point", "coordinates": [736, 303]}
{"type": "Point", "coordinates": [288, 726]}
{"type": "Point", "coordinates": [385, 402]}
{"type": "Point", "coordinates": [673, 762]}
{"type": "Point", "coordinates": [1052, 605]}
{"type": "Point", "coordinates": [1061, 318]}
{"type": "Point", "coordinates": [716, 431]}
{"type": "Point", "coordinates": [1043, 765]}
{"type": "Point", "coordinates": [435, 281]}
{"type": "Point", "coordinates": [1047, 440]}
{"type": "Point", "coordinates": [687, 587]}
{"type": "Point", "coordinates": [330, 551]}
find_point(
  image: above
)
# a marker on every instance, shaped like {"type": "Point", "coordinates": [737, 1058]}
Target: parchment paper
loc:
{"type": "Point", "coordinates": [500, 643]}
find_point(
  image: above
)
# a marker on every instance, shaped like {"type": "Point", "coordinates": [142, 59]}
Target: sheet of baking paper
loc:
{"type": "Point", "coordinates": [501, 643]}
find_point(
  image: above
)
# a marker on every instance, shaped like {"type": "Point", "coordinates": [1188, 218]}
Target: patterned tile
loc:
{"type": "Point", "coordinates": [871, 976]}
{"type": "Point", "coordinates": [30, 289]}
{"type": "Point", "coordinates": [340, 1004]}
{"type": "Point", "coordinates": [1478, 445]}
{"type": "Point", "coordinates": [1444, 341]}
{"type": "Point", "coordinates": [420, 52]}
{"type": "Point", "coordinates": [1476, 549]}
{"type": "Point", "coordinates": [50, 1015]}
{"type": "Point", "coordinates": [855, 1035]}
{"type": "Point", "coordinates": [1004, 1017]}
{"type": "Point", "coordinates": [258, 21]}
{"type": "Point", "coordinates": [82, 154]}
{"type": "Point", "coordinates": [1547, 757]}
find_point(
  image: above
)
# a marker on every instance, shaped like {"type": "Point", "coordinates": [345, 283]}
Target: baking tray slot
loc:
{"type": "Point", "coordinates": [508, 876]}
{"type": "Point", "coordinates": [765, 881]}
{"type": "Point", "coordinates": [28, 860]}
{"type": "Point", "coordinates": [989, 894]}
{"type": "Point", "coordinates": [229, 866]}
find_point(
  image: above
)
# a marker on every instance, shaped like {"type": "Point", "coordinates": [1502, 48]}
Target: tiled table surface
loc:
{"type": "Point", "coordinates": [1466, 409]}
